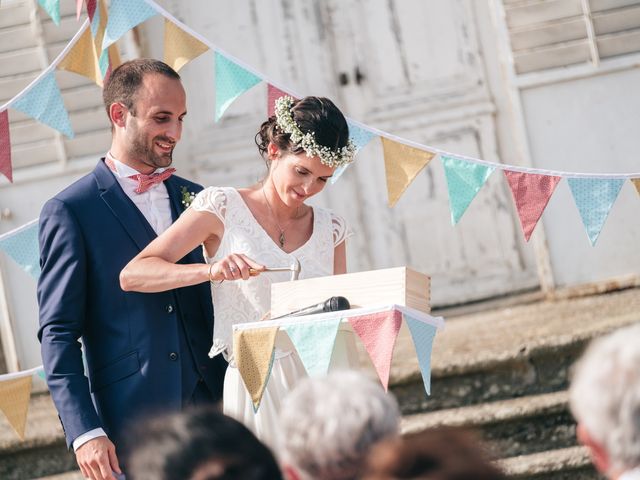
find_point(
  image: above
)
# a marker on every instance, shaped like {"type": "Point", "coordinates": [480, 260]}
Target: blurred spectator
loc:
{"type": "Point", "coordinates": [199, 444]}
{"type": "Point", "coordinates": [605, 400]}
{"type": "Point", "coordinates": [330, 423]}
{"type": "Point", "coordinates": [443, 454]}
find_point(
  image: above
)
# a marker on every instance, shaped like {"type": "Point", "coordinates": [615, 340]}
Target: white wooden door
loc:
{"type": "Point", "coordinates": [409, 67]}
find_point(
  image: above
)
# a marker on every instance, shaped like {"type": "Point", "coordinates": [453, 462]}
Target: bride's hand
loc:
{"type": "Point", "coordinates": [235, 267]}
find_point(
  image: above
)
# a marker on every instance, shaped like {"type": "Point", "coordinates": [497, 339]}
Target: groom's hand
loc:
{"type": "Point", "coordinates": [97, 459]}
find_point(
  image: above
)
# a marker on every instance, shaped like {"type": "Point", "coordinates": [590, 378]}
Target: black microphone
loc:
{"type": "Point", "coordinates": [332, 304]}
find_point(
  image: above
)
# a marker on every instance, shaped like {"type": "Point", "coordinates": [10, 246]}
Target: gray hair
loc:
{"type": "Point", "coordinates": [330, 423]}
{"type": "Point", "coordinates": [605, 395]}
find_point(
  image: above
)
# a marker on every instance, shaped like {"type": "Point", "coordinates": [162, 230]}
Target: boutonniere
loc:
{"type": "Point", "coordinates": [187, 196]}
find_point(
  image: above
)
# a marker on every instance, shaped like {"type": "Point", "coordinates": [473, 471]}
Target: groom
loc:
{"type": "Point", "coordinates": [145, 353]}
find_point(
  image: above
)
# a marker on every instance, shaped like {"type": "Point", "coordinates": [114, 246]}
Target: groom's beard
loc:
{"type": "Point", "coordinates": [144, 150]}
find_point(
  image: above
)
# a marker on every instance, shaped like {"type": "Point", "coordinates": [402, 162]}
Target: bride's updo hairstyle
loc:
{"type": "Point", "coordinates": [311, 114]}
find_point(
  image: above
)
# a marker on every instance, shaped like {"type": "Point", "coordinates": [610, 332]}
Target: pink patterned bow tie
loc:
{"type": "Point", "coordinates": [145, 182]}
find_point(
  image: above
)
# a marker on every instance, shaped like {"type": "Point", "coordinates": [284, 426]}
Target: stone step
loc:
{"type": "Point", "coordinates": [507, 352]}
{"type": "Point", "coordinates": [563, 464]}
{"type": "Point", "coordinates": [509, 427]}
{"type": "Point", "coordinates": [43, 451]}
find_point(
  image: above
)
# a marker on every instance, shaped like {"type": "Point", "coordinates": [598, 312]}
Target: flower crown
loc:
{"type": "Point", "coordinates": [329, 157]}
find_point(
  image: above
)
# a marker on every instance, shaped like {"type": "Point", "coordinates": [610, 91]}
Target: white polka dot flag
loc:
{"type": "Point", "coordinates": [594, 198]}
{"type": "Point", "coordinates": [43, 101]}
{"type": "Point", "coordinates": [21, 245]}
{"type": "Point", "coordinates": [123, 16]}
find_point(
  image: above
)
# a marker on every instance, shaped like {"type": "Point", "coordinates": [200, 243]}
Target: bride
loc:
{"type": "Point", "coordinates": [246, 230]}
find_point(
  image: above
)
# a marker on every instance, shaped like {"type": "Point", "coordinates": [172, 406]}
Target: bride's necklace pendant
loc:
{"type": "Point", "coordinates": [281, 239]}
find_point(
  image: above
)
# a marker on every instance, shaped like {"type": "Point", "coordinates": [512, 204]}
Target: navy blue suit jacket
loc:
{"type": "Point", "coordinates": [145, 352]}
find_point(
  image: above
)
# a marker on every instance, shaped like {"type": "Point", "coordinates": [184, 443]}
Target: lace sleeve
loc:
{"type": "Point", "coordinates": [212, 200]}
{"type": "Point", "coordinates": [340, 229]}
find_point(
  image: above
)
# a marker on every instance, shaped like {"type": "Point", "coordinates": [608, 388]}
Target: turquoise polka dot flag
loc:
{"type": "Point", "coordinates": [123, 16]}
{"type": "Point", "coordinates": [422, 334]}
{"type": "Point", "coordinates": [231, 81]}
{"type": "Point", "coordinates": [44, 103]}
{"type": "Point", "coordinates": [360, 138]}
{"type": "Point", "coordinates": [314, 342]}
{"type": "Point", "coordinates": [52, 7]}
{"type": "Point", "coordinates": [464, 181]}
{"type": "Point", "coordinates": [22, 246]}
{"type": "Point", "coordinates": [594, 198]}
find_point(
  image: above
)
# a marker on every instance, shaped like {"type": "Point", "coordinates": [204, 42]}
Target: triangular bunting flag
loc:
{"type": "Point", "coordinates": [464, 181]}
{"type": "Point", "coordinates": [82, 59]}
{"type": "Point", "coordinates": [5, 146]}
{"type": "Point", "coordinates": [273, 93]}
{"type": "Point", "coordinates": [636, 183]}
{"type": "Point", "coordinates": [21, 245]}
{"type": "Point", "coordinates": [253, 351]}
{"type": "Point", "coordinates": [14, 402]}
{"type": "Point", "coordinates": [231, 81]}
{"type": "Point", "coordinates": [378, 333]}
{"type": "Point", "coordinates": [52, 7]}
{"type": "Point", "coordinates": [95, 17]}
{"type": "Point", "coordinates": [531, 194]}
{"type": "Point", "coordinates": [314, 343]}
{"type": "Point", "coordinates": [360, 138]}
{"type": "Point", "coordinates": [422, 334]}
{"type": "Point", "coordinates": [44, 103]}
{"type": "Point", "coordinates": [79, 8]}
{"type": "Point", "coordinates": [179, 46]}
{"type": "Point", "coordinates": [402, 163]}
{"type": "Point", "coordinates": [594, 198]}
{"type": "Point", "coordinates": [123, 16]}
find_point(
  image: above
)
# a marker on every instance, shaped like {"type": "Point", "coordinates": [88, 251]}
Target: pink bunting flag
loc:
{"type": "Point", "coordinates": [5, 146]}
{"type": "Point", "coordinates": [79, 8]}
{"type": "Point", "coordinates": [273, 94]}
{"type": "Point", "coordinates": [531, 193]}
{"type": "Point", "coordinates": [378, 333]}
{"type": "Point", "coordinates": [91, 8]}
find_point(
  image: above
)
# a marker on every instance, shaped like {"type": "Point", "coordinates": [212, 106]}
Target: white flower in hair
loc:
{"type": "Point", "coordinates": [329, 157]}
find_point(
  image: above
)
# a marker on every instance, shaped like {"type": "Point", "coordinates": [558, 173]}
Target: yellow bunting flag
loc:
{"type": "Point", "coordinates": [401, 164]}
{"type": "Point", "coordinates": [14, 402]}
{"type": "Point", "coordinates": [253, 351]}
{"type": "Point", "coordinates": [82, 59]}
{"type": "Point", "coordinates": [636, 183]}
{"type": "Point", "coordinates": [179, 46]}
{"type": "Point", "coordinates": [85, 56]}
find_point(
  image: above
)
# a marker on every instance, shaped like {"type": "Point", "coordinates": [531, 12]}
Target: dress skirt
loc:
{"type": "Point", "coordinates": [287, 370]}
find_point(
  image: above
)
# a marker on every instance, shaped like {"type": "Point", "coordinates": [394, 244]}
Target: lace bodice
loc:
{"type": "Point", "coordinates": [248, 301]}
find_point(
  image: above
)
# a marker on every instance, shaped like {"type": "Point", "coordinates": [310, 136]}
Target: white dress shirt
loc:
{"type": "Point", "coordinates": [155, 206]}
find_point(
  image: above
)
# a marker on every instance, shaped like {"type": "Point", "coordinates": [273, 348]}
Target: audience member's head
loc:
{"type": "Point", "coordinates": [330, 423]}
{"type": "Point", "coordinates": [200, 444]}
{"type": "Point", "coordinates": [605, 400]}
{"type": "Point", "coordinates": [443, 454]}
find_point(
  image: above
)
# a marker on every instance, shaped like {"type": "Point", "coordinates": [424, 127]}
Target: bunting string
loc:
{"type": "Point", "coordinates": [404, 159]}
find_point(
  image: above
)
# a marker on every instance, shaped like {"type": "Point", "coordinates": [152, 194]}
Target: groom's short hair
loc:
{"type": "Point", "coordinates": [124, 81]}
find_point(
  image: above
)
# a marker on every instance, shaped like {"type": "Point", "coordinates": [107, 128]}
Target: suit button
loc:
{"type": "Point", "coordinates": [173, 356]}
{"type": "Point", "coordinates": [169, 308]}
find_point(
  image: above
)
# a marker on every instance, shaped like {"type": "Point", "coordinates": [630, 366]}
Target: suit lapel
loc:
{"type": "Point", "coordinates": [175, 197]}
{"type": "Point", "coordinates": [122, 207]}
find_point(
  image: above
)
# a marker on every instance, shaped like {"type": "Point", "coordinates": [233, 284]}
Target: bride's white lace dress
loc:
{"type": "Point", "coordinates": [248, 301]}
